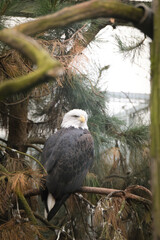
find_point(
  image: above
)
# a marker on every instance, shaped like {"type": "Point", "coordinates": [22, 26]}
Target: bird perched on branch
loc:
{"type": "Point", "coordinates": [67, 156]}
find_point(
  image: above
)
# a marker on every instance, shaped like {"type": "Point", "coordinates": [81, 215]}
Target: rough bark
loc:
{"type": "Point", "coordinates": [17, 136]}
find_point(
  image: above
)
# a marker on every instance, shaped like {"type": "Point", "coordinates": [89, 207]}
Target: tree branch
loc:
{"type": "Point", "coordinates": [46, 66]}
{"type": "Point", "coordinates": [87, 10]}
{"type": "Point", "coordinates": [36, 141]}
{"type": "Point", "coordinates": [24, 154]}
{"type": "Point", "coordinates": [33, 146]}
{"type": "Point", "coordinates": [101, 191]}
{"type": "Point", "coordinates": [3, 140]}
{"type": "Point", "coordinates": [115, 192]}
{"type": "Point", "coordinates": [26, 206]}
{"type": "Point", "coordinates": [51, 226]}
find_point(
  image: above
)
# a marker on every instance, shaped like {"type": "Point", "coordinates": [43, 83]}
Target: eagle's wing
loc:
{"type": "Point", "coordinates": [48, 159]}
{"type": "Point", "coordinates": [67, 155]}
{"type": "Point", "coordinates": [50, 151]}
{"type": "Point", "coordinates": [72, 157]}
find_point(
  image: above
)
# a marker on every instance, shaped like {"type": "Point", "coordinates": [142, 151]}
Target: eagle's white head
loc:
{"type": "Point", "coordinates": [75, 118]}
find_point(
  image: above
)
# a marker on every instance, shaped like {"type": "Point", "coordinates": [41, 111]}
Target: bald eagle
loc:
{"type": "Point", "coordinates": [67, 156]}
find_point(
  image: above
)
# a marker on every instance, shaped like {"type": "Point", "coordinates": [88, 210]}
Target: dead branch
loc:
{"type": "Point", "coordinates": [140, 191]}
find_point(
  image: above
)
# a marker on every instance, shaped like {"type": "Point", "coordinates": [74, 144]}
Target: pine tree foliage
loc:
{"type": "Point", "coordinates": [33, 8]}
{"type": "Point", "coordinates": [136, 136]}
{"type": "Point", "coordinates": [132, 46]}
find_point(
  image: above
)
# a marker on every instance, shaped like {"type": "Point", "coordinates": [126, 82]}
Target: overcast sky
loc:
{"type": "Point", "coordinates": [124, 74]}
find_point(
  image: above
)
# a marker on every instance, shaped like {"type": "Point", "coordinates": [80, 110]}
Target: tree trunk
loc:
{"type": "Point", "coordinates": [17, 137]}
{"type": "Point", "coordinates": [155, 120]}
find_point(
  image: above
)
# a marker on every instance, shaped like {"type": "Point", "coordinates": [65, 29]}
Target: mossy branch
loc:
{"type": "Point", "coordinates": [26, 207]}
{"type": "Point", "coordinates": [47, 67]}
{"type": "Point", "coordinates": [86, 10]}
{"type": "Point", "coordinates": [3, 169]}
{"type": "Point", "coordinates": [22, 199]}
{"type": "Point", "coordinates": [155, 120]}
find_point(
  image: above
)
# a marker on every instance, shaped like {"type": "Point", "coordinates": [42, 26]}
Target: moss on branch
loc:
{"type": "Point", "coordinates": [47, 67]}
{"type": "Point", "coordinates": [155, 120]}
{"type": "Point", "coordinates": [87, 10]}
{"type": "Point", "coordinates": [26, 207]}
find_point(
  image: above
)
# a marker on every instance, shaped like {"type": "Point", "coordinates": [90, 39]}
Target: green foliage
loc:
{"type": "Point", "coordinates": [32, 8]}
{"type": "Point", "coordinates": [136, 136]}
{"type": "Point", "coordinates": [80, 93]}
{"type": "Point", "coordinates": [130, 47]}
{"type": "Point", "coordinates": [27, 8]}
{"type": "Point", "coordinates": [4, 4]}
{"type": "Point", "coordinates": [16, 8]}
{"type": "Point", "coordinates": [43, 7]}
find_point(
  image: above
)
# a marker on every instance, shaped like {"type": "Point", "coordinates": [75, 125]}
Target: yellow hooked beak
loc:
{"type": "Point", "coordinates": [82, 119]}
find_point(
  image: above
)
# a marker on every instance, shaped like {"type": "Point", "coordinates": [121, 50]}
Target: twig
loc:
{"type": "Point", "coordinates": [33, 146]}
{"type": "Point", "coordinates": [50, 226]}
{"type": "Point", "coordinates": [69, 213]}
{"type": "Point", "coordinates": [116, 176]}
{"type": "Point", "coordinates": [138, 187]}
{"type": "Point", "coordinates": [12, 116]}
{"type": "Point", "coordinates": [17, 102]}
{"type": "Point", "coordinates": [3, 169]}
{"type": "Point", "coordinates": [85, 200]}
{"type": "Point", "coordinates": [3, 140]}
{"type": "Point", "coordinates": [83, 221]}
{"type": "Point", "coordinates": [25, 154]}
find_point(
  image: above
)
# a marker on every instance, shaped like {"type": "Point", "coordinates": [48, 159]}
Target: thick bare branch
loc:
{"type": "Point", "coordinates": [101, 191]}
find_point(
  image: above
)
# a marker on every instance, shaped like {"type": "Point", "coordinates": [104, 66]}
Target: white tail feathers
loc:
{"type": "Point", "coordinates": [50, 203]}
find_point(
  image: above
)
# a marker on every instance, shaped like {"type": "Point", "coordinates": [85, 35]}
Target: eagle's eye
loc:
{"type": "Point", "coordinates": [76, 116]}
